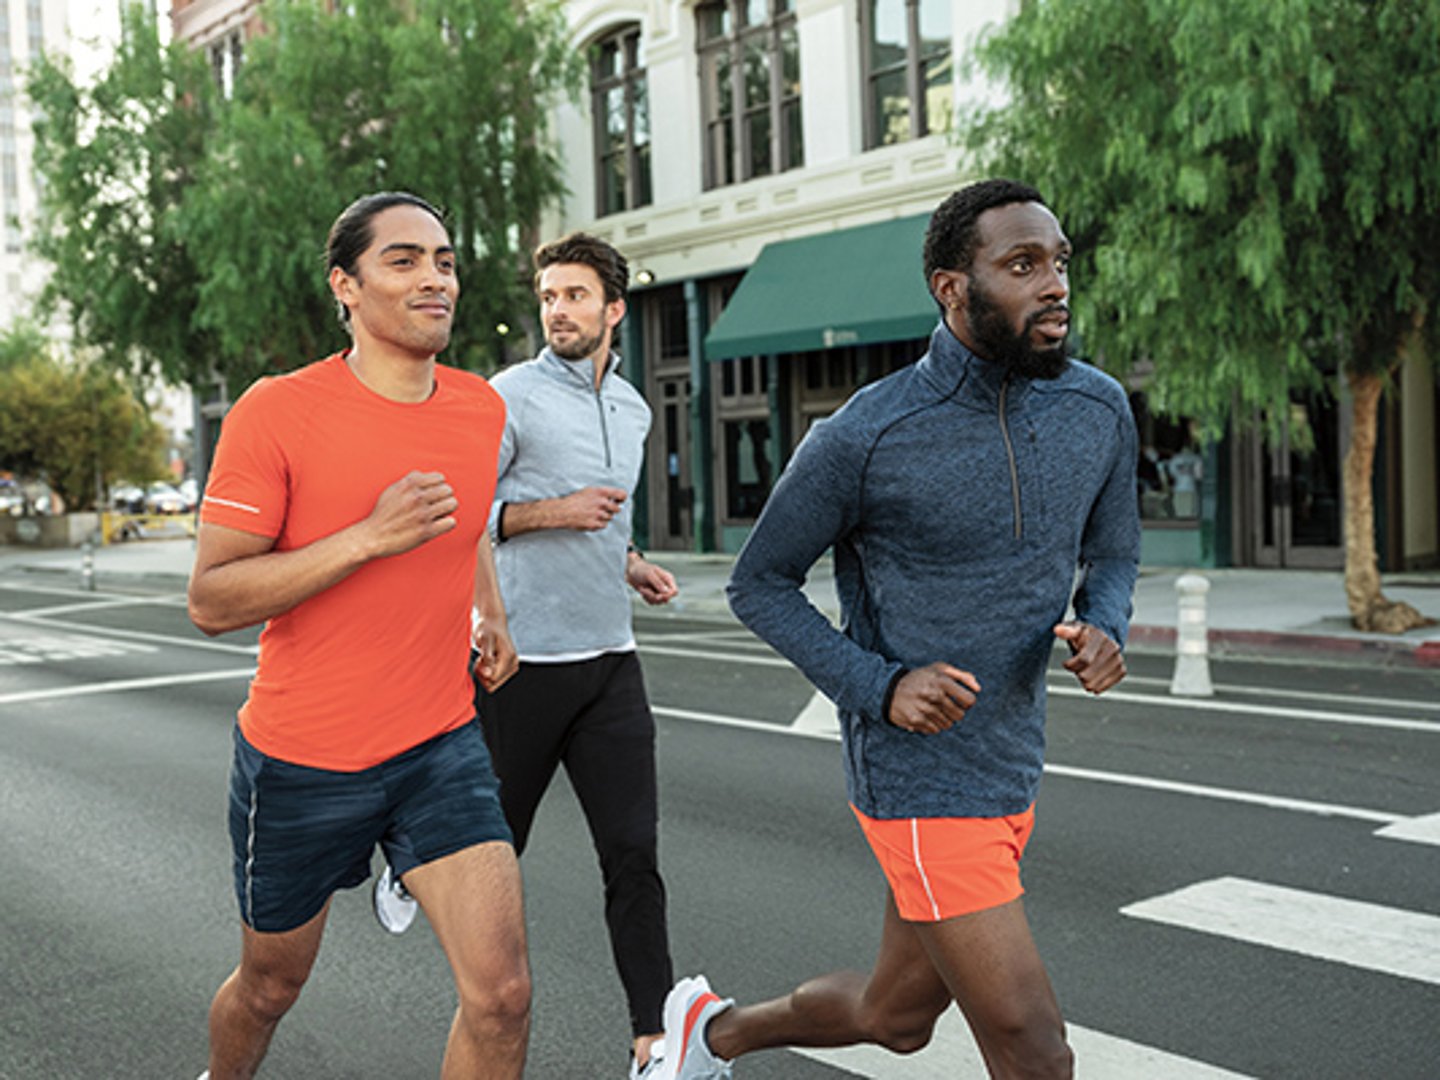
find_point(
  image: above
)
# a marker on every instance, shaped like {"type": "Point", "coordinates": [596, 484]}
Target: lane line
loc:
{"type": "Point", "coordinates": [1274, 802]}
{"type": "Point", "coordinates": [1351, 932]}
{"type": "Point", "coordinates": [1063, 686]}
{"type": "Point", "coordinates": [1172, 787]}
{"type": "Point", "coordinates": [1298, 695]}
{"type": "Point", "coordinates": [1430, 727]}
{"type": "Point", "coordinates": [952, 1055]}
{"type": "Point", "coordinates": [120, 685]}
{"type": "Point", "coordinates": [134, 635]}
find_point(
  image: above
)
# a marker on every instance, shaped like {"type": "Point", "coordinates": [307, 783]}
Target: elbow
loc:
{"type": "Point", "coordinates": [206, 619]}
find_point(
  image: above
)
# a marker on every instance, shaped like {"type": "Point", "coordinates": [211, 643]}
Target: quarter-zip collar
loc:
{"type": "Point", "coordinates": [956, 371]}
{"type": "Point", "coordinates": [581, 372]}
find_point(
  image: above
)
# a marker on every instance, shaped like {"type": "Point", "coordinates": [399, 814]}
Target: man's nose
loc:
{"type": "Point", "coordinates": [1056, 284]}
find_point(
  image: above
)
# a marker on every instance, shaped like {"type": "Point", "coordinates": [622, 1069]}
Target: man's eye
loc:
{"type": "Point", "coordinates": [1021, 266]}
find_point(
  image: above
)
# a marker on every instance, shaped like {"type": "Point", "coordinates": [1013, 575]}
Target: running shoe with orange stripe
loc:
{"type": "Point", "coordinates": [689, 1008]}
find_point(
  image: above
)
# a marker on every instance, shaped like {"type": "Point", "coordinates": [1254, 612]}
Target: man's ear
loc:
{"type": "Point", "coordinates": [949, 288]}
{"type": "Point", "coordinates": [342, 285]}
{"type": "Point", "coordinates": [614, 312]}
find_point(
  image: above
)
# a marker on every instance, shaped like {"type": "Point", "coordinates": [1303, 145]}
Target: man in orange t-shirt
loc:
{"type": "Point", "coordinates": [347, 511]}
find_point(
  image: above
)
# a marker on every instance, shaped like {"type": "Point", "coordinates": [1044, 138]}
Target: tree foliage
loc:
{"type": "Point", "coordinates": [188, 230]}
{"type": "Point", "coordinates": [117, 158]}
{"type": "Point", "coordinates": [1254, 188]}
{"type": "Point", "coordinates": [1254, 192]}
{"type": "Point", "coordinates": [76, 428]}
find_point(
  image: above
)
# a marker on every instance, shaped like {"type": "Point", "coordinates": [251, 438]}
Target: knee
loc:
{"type": "Point", "coordinates": [500, 1008]}
{"type": "Point", "coordinates": [269, 994]}
{"type": "Point", "coordinates": [1033, 1046]}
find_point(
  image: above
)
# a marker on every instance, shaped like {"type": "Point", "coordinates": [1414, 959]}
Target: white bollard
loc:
{"type": "Point", "coordinates": [1192, 647]}
{"type": "Point", "coordinates": [87, 565]}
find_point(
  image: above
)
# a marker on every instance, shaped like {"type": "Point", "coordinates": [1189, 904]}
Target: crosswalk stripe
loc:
{"type": "Point", "coordinates": [952, 1055]}
{"type": "Point", "coordinates": [1363, 935]}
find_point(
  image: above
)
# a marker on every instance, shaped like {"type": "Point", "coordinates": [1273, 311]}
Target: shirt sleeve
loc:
{"type": "Point", "coordinates": [1110, 545]}
{"type": "Point", "coordinates": [248, 487]}
{"type": "Point", "coordinates": [815, 504]}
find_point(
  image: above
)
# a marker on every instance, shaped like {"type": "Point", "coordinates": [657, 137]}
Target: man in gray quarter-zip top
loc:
{"type": "Point", "coordinates": [570, 458]}
{"type": "Point", "coordinates": [961, 495]}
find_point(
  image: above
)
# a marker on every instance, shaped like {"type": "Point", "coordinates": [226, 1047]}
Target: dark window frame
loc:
{"type": "Point", "coordinates": [913, 65]}
{"type": "Point", "coordinates": [724, 38]}
{"type": "Point", "coordinates": [628, 76]}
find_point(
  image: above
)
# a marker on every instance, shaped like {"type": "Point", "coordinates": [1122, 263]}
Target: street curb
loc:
{"type": "Point", "coordinates": [1236, 644]}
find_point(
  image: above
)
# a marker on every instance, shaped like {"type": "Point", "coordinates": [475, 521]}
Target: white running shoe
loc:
{"type": "Point", "coordinates": [689, 1008]}
{"type": "Point", "coordinates": [652, 1067]}
{"type": "Point", "coordinates": [394, 907]}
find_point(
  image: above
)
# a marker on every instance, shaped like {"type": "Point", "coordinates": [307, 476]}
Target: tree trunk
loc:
{"type": "Point", "coordinates": [1369, 609]}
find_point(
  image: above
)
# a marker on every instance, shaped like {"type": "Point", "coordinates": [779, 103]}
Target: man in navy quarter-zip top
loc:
{"type": "Point", "coordinates": [961, 495]}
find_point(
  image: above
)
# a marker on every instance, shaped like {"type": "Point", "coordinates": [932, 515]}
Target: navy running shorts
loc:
{"type": "Point", "coordinates": [299, 834]}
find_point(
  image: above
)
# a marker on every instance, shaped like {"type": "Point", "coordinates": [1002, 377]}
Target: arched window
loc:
{"type": "Point", "coordinates": [621, 108]}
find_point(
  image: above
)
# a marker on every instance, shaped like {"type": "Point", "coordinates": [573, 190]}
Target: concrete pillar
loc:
{"type": "Point", "coordinates": [1192, 660]}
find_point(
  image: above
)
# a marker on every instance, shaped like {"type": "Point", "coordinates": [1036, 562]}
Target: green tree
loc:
{"type": "Point", "coordinates": [117, 158]}
{"type": "Point", "coordinates": [78, 428]}
{"type": "Point", "coordinates": [1254, 192]}
{"type": "Point", "coordinates": [20, 342]}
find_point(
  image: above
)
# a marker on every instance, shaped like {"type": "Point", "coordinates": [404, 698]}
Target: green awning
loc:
{"type": "Point", "coordinates": [859, 286]}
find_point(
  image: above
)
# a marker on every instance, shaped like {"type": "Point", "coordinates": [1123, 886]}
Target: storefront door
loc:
{"type": "Point", "coordinates": [1294, 510]}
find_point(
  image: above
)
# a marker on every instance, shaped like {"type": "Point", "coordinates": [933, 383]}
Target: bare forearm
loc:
{"type": "Point", "coordinates": [527, 517]}
{"type": "Point", "coordinates": [248, 590]}
{"type": "Point", "coordinates": [488, 601]}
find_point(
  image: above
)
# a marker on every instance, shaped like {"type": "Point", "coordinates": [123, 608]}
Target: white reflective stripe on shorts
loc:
{"type": "Point", "coordinates": [250, 861]}
{"type": "Point", "coordinates": [920, 867]}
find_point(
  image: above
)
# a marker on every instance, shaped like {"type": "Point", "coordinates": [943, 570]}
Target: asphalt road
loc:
{"type": "Point", "coordinates": [1244, 886]}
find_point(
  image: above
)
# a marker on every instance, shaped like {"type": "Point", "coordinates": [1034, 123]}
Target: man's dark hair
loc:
{"type": "Point", "coordinates": [591, 251]}
{"type": "Point", "coordinates": [954, 231]}
{"type": "Point", "coordinates": [354, 231]}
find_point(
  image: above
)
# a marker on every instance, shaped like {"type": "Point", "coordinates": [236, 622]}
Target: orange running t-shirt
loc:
{"type": "Point", "coordinates": [377, 663]}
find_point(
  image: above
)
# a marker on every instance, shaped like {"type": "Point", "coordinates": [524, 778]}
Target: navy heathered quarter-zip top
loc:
{"type": "Point", "coordinates": [967, 508]}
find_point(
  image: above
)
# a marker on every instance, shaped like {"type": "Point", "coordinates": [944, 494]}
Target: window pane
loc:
{"type": "Point", "coordinates": [887, 33]}
{"type": "Point", "coordinates": [714, 21]}
{"type": "Point", "coordinates": [939, 94]}
{"type": "Point", "coordinates": [607, 59]}
{"type": "Point", "coordinates": [794, 141]}
{"type": "Point", "coordinates": [934, 26]}
{"type": "Point", "coordinates": [758, 128]}
{"type": "Point", "coordinates": [756, 12]}
{"type": "Point", "coordinates": [613, 183]}
{"type": "Point", "coordinates": [747, 467]}
{"type": "Point", "coordinates": [643, 195]}
{"type": "Point", "coordinates": [757, 72]}
{"type": "Point", "coordinates": [615, 116]}
{"type": "Point", "coordinates": [790, 61]}
{"type": "Point", "coordinates": [673, 327]}
{"type": "Point", "coordinates": [892, 108]}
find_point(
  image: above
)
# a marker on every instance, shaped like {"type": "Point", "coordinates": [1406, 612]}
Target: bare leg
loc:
{"type": "Point", "coordinates": [896, 1005]}
{"type": "Point", "coordinates": [992, 968]}
{"type": "Point", "coordinates": [249, 1004]}
{"type": "Point", "coordinates": [473, 901]}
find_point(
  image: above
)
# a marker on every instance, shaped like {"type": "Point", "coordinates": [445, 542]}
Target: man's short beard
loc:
{"type": "Point", "coordinates": [581, 348]}
{"type": "Point", "coordinates": [997, 341]}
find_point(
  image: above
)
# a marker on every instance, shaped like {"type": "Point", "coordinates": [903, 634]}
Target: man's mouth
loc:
{"type": "Point", "coordinates": [1052, 324]}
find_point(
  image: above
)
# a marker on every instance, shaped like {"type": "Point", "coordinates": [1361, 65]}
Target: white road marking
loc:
{"type": "Point", "coordinates": [953, 1055]}
{"type": "Point", "coordinates": [1362, 935]}
{"type": "Point", "coordinates": [135, 635]}
{"type": "Point", "coordinates": [1250, 709]}
{"type": "Point", "coordinates": [1297, 695]}
{"type": "Point", "coordinates": [1062, 685]}
{"type": "Point", "coordinates": [819, 716]}
{"type": "Point", "coordinates": [117, 685]}
{"type": "Point", "coordinates": [811, 730]}
{"type": "Point", "coordinates": [33, 648]}
{"type": "Point", "coordinates": [1421, 830]}
{"type": "Point", "coordinates": [1274, 802]}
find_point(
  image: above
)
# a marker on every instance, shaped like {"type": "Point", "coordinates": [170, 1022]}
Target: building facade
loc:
{"type": "Point", "coordinates": [767, 166]}
{"type": "Point", "coordinates": [28, 29]}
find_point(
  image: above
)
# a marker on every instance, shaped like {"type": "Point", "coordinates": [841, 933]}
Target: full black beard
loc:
{"type": "Point", "coordinates": [996, 341]}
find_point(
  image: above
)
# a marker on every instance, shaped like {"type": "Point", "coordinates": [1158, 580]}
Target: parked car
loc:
{"type": "Point", "coordinates": [12, 499]}
{"type": "Point", "coordinates": [162, 498]}
{"type": "Point", "coordinates": [190, 491]}
{"type": "Point", "coordinates": [127, 498]}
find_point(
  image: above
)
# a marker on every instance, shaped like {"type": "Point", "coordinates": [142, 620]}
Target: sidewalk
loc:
{"type": "Point", "coordinates": [1295, 613]}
